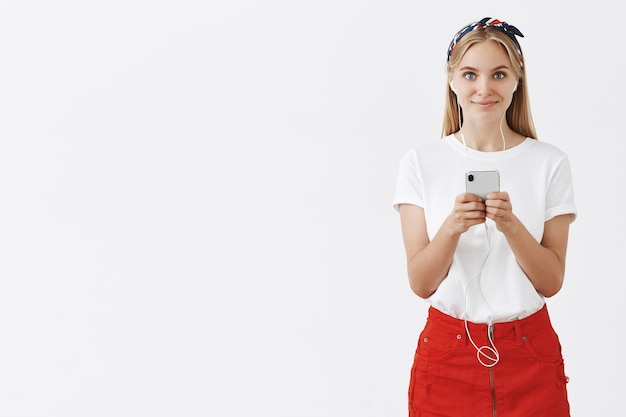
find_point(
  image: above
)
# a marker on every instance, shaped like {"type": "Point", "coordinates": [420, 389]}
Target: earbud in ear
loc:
{"type": "Point", "coordinates": [452, 87]}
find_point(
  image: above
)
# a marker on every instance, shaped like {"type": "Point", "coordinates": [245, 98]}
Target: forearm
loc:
{"type": "Point", "coordinates": [544, 267]}
{"type": "Point", "coordinates": [428, 267]}
{"type": "Point", "coordinates": [429, 260]}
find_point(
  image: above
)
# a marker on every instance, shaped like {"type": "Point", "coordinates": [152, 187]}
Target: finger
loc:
{"type": "Point", "coordinates": [501, 195]}
{"type": "Point", "coordinates": [468, 197]}
{"type": "Point", "coordinates": [500, 203]}
{"type": "Point", "coordinates": [495, 212]}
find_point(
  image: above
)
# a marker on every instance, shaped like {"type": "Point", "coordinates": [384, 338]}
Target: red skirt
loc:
{"type": "Point", "coordinates": [528, 378]}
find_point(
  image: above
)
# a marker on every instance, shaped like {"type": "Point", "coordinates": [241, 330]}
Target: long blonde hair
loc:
{"type": "Point", "coordinates": [518, 115]}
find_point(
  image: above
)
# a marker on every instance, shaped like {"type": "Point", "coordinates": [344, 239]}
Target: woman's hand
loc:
{"type": "Point", "coordinates": [500, 210]}
{"type": "Point", "coordinates": [468, 211]}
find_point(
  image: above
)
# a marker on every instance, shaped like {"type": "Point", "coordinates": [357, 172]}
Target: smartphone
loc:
{"type": "Point", "coordinates": [482, 183]}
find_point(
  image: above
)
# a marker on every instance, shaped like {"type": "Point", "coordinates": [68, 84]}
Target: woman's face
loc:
{"type": "Point", "coordinates": [484, 82]}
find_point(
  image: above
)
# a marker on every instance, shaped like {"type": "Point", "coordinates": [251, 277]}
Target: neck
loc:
{"type": "Point", "coordinates": [491, 138]}
{"type": "Point", "coordinates": [481, 143]}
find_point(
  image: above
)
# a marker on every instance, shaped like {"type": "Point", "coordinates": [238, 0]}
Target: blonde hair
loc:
{"type": "Point", "coordinates": [518, 115]}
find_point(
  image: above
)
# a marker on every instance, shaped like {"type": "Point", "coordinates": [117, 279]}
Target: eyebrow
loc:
{"type": "Point", "coordinates": [499, 67]}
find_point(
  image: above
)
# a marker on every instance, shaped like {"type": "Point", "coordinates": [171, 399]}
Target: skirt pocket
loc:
{"type": "Point", "coordinates": [436, 346]}
{"type": "Point", "coordinates": [544, 346]}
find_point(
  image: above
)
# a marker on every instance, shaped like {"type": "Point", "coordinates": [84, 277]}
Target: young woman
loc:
{"type": "Point", "coordinates": [486, 265]}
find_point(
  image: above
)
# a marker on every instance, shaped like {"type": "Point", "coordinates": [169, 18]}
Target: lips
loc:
{"type": "Point", "coordinates": [485, 104]}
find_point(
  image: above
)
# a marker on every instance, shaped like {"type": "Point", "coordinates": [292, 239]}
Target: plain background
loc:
{"type": "Point", "coordinates": [196, 217]}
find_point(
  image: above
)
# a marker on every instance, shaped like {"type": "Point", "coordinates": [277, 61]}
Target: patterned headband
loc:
{"type": "Point", "coordinates": [486, 22]}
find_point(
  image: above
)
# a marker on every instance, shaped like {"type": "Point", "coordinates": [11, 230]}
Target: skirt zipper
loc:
{"type": "Point", "coordinates": [493, 388]}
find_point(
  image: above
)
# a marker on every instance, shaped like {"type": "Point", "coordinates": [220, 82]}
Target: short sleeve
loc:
{"type": "Point", "coordinates": [409, 188]}
{"type": "Point", "coordinates": [560, 195]}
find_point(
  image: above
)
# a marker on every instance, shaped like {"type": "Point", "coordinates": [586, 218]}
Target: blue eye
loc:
{"type": "Point", "coordinates": [499, 75]}
{"type": "Point", "coordinates": [469, 75]}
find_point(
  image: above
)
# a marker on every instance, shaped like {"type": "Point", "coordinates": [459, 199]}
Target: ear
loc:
{"type": "Point", "coordinates": [452, 87]}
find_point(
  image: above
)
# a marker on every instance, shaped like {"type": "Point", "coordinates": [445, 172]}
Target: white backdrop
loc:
{"type": "Point", "coordinates": [196, 216]}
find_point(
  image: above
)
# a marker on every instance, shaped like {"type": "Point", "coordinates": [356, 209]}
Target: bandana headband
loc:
{"type": "Point", "coordinates": [486, 22]}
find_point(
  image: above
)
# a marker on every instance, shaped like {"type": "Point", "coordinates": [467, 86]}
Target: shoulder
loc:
{"type": "Point", "coordinates": [543, 150]}
{"type": "Point", "coordinates": [430, 147]}
{"type": "Point", "coordinates": [547, 147]}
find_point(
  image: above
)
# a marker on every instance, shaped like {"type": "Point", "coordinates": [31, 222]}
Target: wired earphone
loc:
{"type": "Point", "coordinates": [487, 355]}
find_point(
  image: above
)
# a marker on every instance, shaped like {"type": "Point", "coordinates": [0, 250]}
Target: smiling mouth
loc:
{"type": "Point", "coordinates": [485, 103]}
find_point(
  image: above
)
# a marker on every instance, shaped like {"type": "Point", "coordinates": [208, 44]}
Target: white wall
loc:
{"type": "Point", "coordinates": [195, 200]}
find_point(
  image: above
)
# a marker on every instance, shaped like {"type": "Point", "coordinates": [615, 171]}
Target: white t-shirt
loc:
{"type": "Point", "coordinates": [536, 175]}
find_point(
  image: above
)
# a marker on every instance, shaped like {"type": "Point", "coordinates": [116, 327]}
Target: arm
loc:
{"type": "Point", "coordinates": [544, 262]}
{"type": "Point", "coordinates": [428, 261]}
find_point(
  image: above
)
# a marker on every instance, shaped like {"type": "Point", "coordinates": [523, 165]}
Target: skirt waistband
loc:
{"type": "Point", "coordinates": [516, 329]}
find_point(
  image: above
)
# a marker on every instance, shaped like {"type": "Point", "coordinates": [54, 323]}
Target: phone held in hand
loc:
{"type": "Point", "coordinates": [482, 183]}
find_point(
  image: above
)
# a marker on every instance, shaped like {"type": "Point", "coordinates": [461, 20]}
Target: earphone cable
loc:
{"type": "Point", "coordinates": [492, 357]}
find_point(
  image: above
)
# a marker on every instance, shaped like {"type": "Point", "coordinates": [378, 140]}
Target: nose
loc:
{"type": "Point", "coordinates": [483, 88]}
